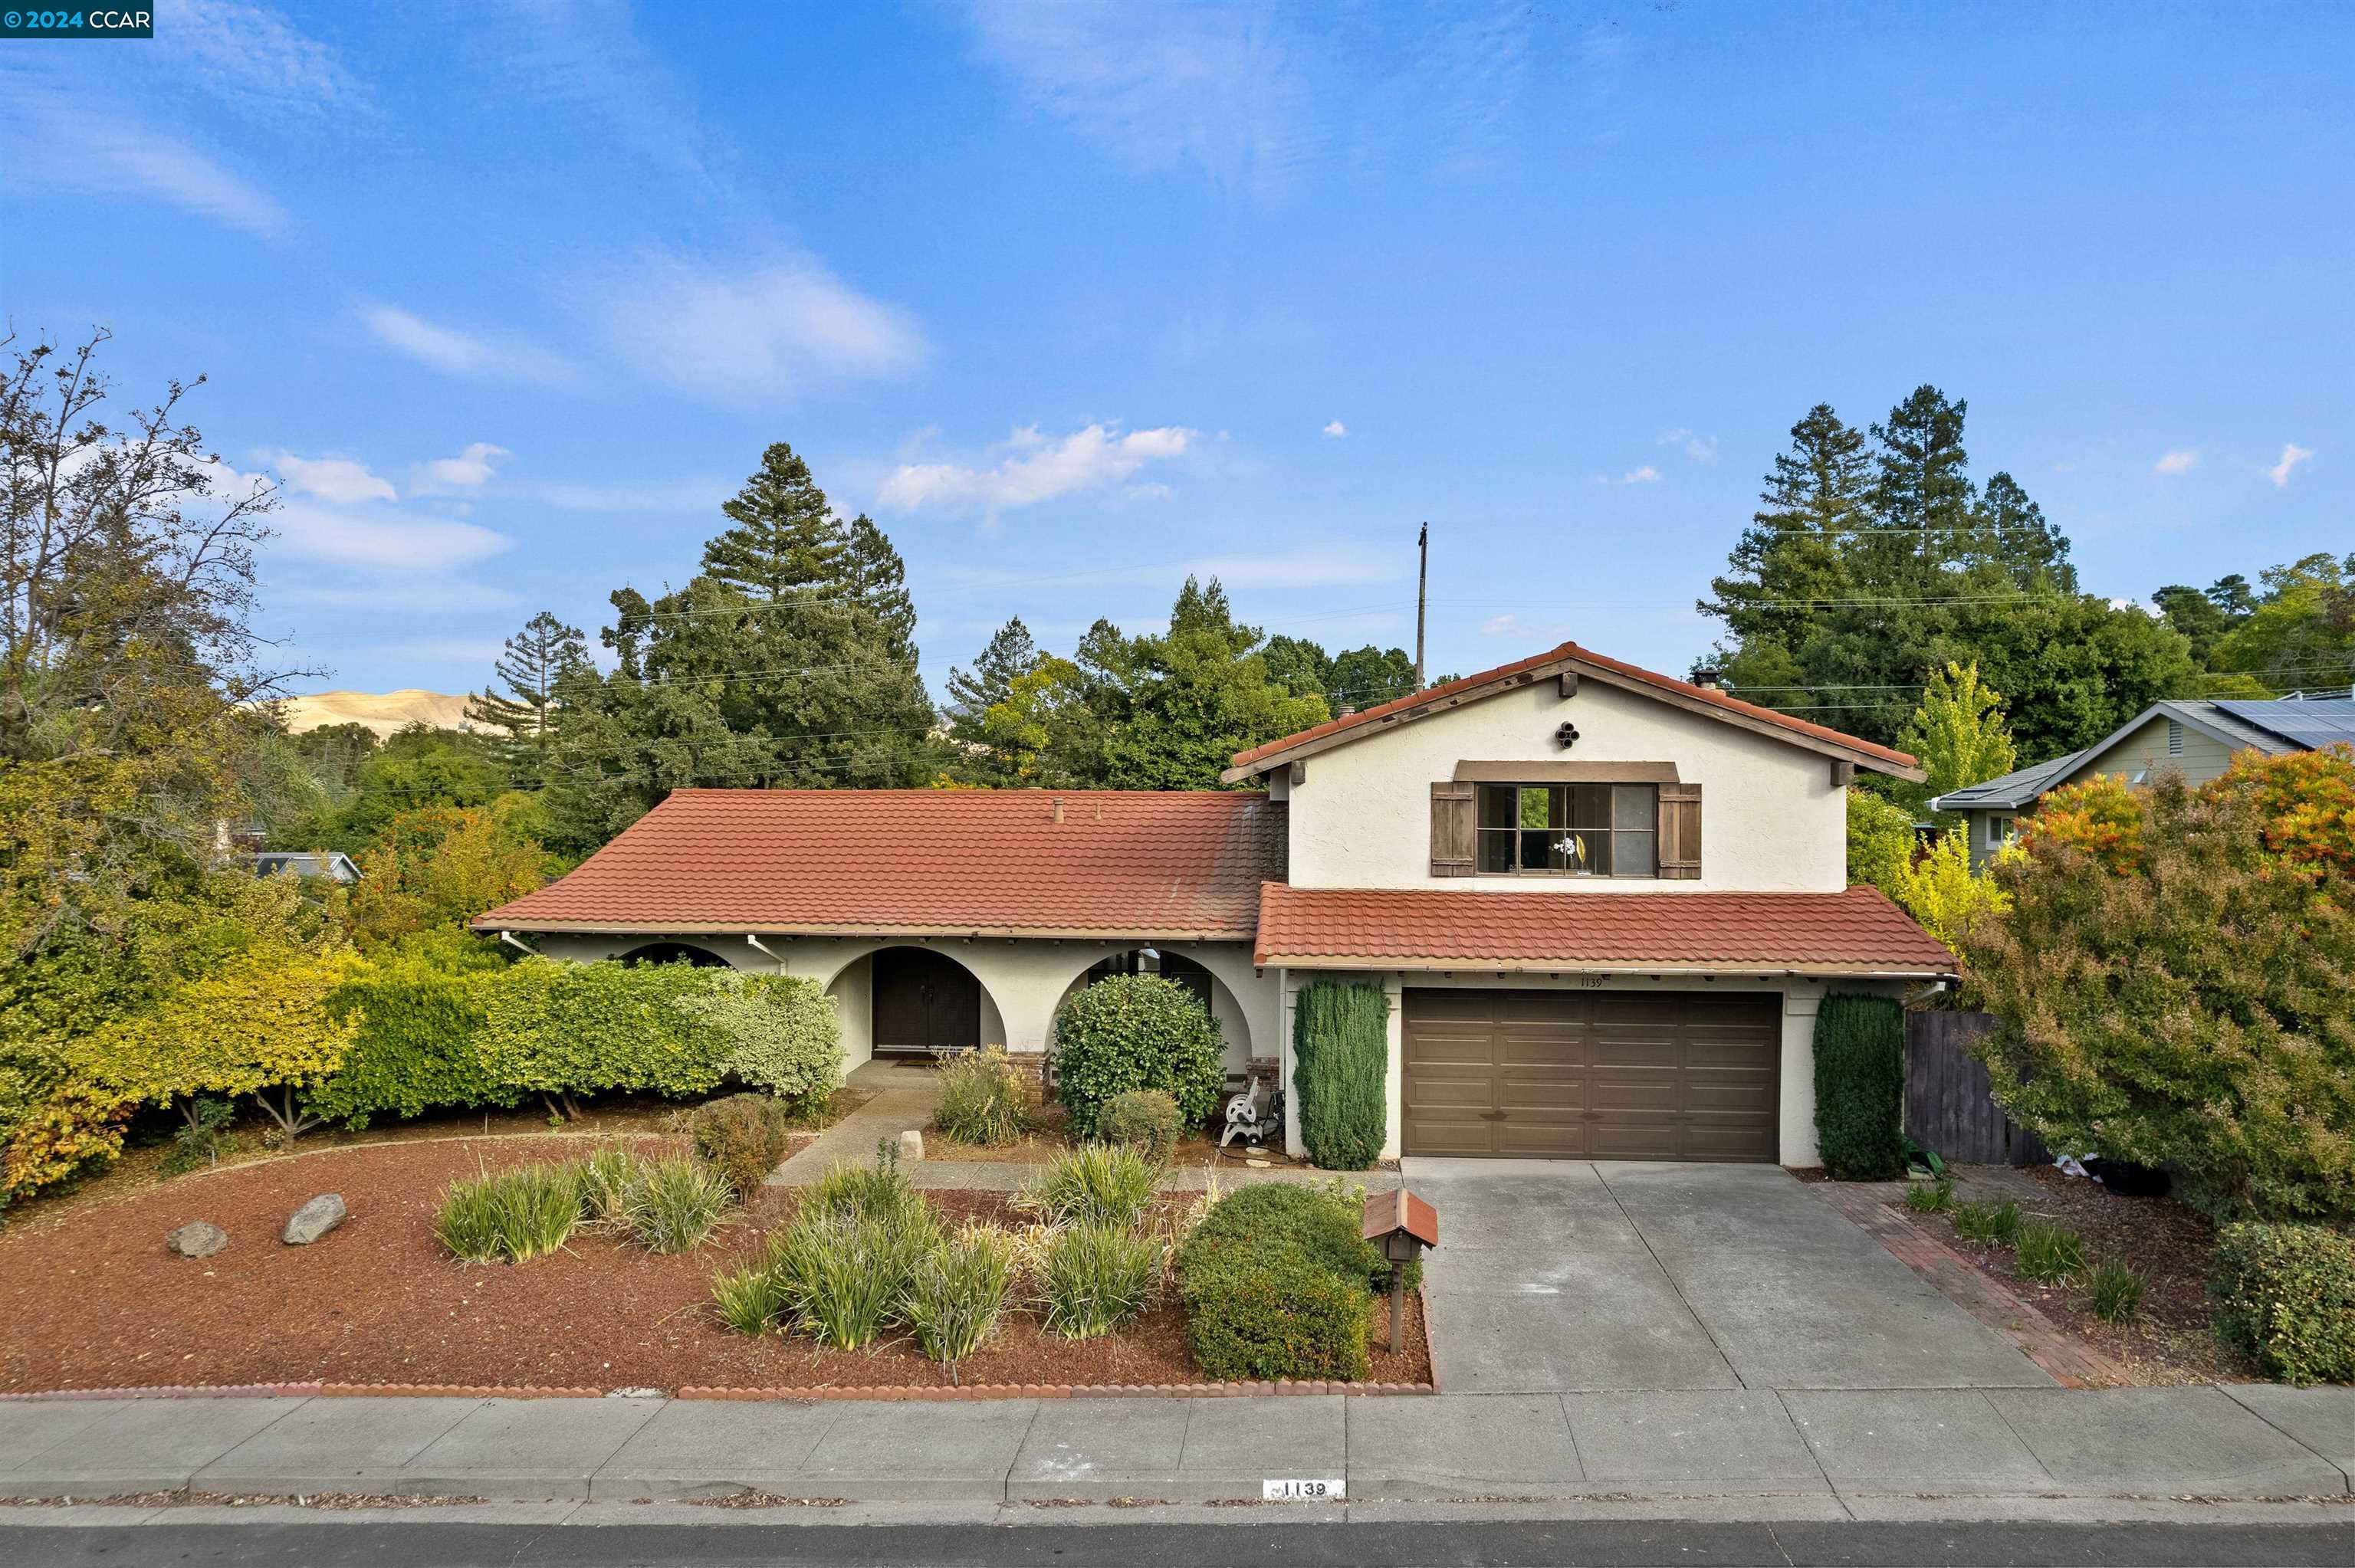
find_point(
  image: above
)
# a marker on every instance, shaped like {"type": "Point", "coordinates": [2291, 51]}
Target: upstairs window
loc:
{"type": "Point", "coordinates": [1568, 830]}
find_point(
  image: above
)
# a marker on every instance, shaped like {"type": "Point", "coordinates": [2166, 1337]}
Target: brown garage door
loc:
{"type": "Point", "coordinates": [1593, 1075]}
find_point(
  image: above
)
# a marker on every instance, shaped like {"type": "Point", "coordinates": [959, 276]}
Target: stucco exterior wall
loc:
{"type": "Point", "coordinates": [1022, 981]}
{"type": "Point", "coordinates": [1772, 819]}
{"type": "Point", "coordinates": [1796, 1136]}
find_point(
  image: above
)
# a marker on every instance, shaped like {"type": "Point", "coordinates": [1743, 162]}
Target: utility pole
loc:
{"type": "Point", "coordinates": [1422, 586]}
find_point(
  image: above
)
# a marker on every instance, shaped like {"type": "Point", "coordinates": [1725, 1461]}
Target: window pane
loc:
{"type": "Point", "coordinates": [1631, 855]}
{"type": "Point", "coordinates": [1496, 850]}
{"type": "Point", "coordinates": [1537, 851]}
{"type": "Point", "coordinates": [1633, 807]}
{"type": "Point", "coordinates": [1496, 805]}
{"type": "Point", "coordinates": [1590, 805]}
{"type": "Point", "coordinates": [1534, 807]}
{"type": "Point", "coordinates": [1599, 850]}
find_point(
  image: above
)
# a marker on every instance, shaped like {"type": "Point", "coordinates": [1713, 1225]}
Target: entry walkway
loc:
{"type": "Point", "coordinates": [1559, 1276]}
{"type": "Point", "coordinates": [1841, 1448]}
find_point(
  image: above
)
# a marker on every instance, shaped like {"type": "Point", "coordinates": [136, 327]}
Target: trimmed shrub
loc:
{"type": "Point", "coordinates": [2116, 1290]}
{"type": "Point", "coordinates": [1860, 1087]}
{"type": "Point", "coordinates": [1322, 1223]}
{"type": "Point", "coordinates": [415, 1015]}
{"type": "Point", "coordinates": [743, 1137]}
{"type": "Point", "coordinates": [779, 1033]}
{"type": "Point", "coordinates": [565, 1029]}
{"type": "Point", "coordinates": [1095, 1276]}
{"type": "Point", "coordinates": [1340, 1042]}
{"type": "Point", "coordinates": [676, 1204]}
{"type": "Point", "coordinates": [1273, 1315]}
{"type": "Point", "coordinates": [1101, 1183]}
{"type": "Point", "coordinates": [985, 1098]}
{"type": "Point", "coordinates": [958, 1291]}
{"type": "Point", "coordinates": [2286, 1295]}
{"type": "Point", "coordinates": [1137, 1032]}
{"type": "Point", "coordinates": [1144, 1119]}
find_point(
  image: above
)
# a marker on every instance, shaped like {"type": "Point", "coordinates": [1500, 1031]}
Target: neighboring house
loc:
{"type": "Point", "coordinates": [334, 865]}
{"type": "Point", "coordinates": [2196, 739]}
{"type": "Point", "coordinates": [1604, 903]}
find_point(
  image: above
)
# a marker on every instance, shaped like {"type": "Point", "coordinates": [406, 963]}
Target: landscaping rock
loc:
{"type": "Point", "coordinates": [198, 1238]}
{"type": "Point", "coordinates": [912, 1145]}
{"type": "Point", "coordinates": [314, 1219]}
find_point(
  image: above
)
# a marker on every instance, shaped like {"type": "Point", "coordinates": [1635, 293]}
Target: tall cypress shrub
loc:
{"type": "Point", "coordinates": [1860, 1087]}
{"type": "Point", "coordinates": [1341, 1056]}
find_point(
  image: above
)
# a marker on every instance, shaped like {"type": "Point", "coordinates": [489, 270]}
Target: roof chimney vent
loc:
{"type": "Point", "coordinates": [1709, 678]}
{"type": "Point", "coordinates": [1058, 808]}
{"type": "Point", "coordinates": [1347, 708]}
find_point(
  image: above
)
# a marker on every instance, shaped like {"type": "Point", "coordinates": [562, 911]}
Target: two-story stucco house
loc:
{"type": "Point", "coordinates": [1604, 903]}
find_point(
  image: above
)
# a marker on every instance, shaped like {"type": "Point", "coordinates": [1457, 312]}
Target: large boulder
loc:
{"type": "Point", "coordinates": [198, 1238]}
{"type": "Point", "coordinates": [314, 1219]}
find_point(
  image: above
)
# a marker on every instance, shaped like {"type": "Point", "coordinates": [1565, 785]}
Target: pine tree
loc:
{"type": "Point", "coordinates": [786, 537]}
{"type": "Point", "coordinates": [536, 658]}
{"type": "Point", "coordinates": [1791, 559]}
{"type": "Point", "coordinates": [877, 581]}
{"type": "Point", "coordinates": [1922, 486]}
{"type": "Point", "coordinates": [1011, 653]}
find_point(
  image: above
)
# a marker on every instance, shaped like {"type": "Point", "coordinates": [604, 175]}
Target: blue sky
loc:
{"type": "Point", "coordinates": [1076, 298]}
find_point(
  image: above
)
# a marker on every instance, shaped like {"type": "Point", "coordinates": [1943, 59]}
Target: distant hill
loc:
{"type": "Point", "coordinates": [383, 712]}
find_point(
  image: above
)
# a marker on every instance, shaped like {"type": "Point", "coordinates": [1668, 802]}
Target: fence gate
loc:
{"type": "Point", "coordinates": [1948, 1106]}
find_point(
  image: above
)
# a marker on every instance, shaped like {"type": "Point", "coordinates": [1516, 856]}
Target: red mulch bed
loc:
{"type": "Point", "coordinates": [91, 1297]}
{"type": "Point", "coordinates": [2170, 1338]}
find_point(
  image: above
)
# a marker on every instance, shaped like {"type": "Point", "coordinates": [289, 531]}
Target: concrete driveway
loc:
{"type": "Point", "coordinates": [1558, 1275]}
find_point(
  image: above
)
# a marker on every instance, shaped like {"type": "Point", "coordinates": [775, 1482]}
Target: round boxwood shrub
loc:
{"type": "Point", "coordinates": [1273, 1315]}
{"type": "Point", "coordinates": [1136, 1031]}
{"type": "Point", "coordinates": [1143, 1119]}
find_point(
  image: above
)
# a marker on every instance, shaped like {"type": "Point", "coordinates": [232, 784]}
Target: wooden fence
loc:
{"type": "Point", "coordinates": [1948, 1106]}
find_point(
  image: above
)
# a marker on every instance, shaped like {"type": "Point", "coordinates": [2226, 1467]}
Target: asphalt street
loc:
{"type": "Point", "coordinates": [1505, 1544]}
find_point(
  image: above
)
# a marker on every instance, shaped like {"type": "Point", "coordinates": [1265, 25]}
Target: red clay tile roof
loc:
{"type": "Point", "coordinates": [1852, 932]}
{"type": "Point", "coordinates": [1140, 863]}
{"type": "Point", "coordinates": [1731, 705]}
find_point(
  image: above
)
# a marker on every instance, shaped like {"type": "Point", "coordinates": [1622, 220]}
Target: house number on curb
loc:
{"type": "Point", "coordinates": [1302, 1491]}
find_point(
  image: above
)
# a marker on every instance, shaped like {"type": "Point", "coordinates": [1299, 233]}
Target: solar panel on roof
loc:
{"type": "Point", "coordinates": [2309, 722]}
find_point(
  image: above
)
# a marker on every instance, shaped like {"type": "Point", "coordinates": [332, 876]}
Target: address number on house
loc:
{"type": "Point", "coordinates": [1302, 1491]}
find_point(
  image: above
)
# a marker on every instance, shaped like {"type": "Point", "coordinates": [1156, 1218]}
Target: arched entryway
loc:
{"type": "Point", "coordinates": [674, 953]}
{"type": "Point", "coordinates": [923, 1002]}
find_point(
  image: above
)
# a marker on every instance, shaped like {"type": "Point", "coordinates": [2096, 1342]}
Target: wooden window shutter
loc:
{"type": "Point", "coordinates": [1451, 838]}
{"type": "Point", "coordinates": [1680, 833]}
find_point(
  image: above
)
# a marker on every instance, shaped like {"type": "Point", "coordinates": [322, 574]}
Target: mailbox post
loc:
{"type": "Point", "coordinates": [1403, 1226]}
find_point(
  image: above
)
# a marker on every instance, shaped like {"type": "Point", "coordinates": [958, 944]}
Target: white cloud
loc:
{"type": "Point", "coordinates": [2292, 455]}
{"type": "Point", "coordinates": [738, 335]}
{"type": "Point", "coordinates": [1644, 475]}
{"type": "Point", "coordinates": [383, 541]}
{"type": "Point", "coordinates": [456, 351]}
{"type": "Point", "coordinates": [1337, 429]}
{"type": "Point", "coordinates": [471, 467]}
{"type": "Point", "coordinates": [2180, 462]}
{"type": "Point", "coordinates": [241, 52]}
{"type": "Point", "coordinates": [1039, 469]}
{"type": "Point", "coordinates": [339, 480]}
{"type": "Point", "coordinates": [59, 141]}
{"type": "Point", "coordinates": [1699, 448]}
{"type": "Point", "coordinates": [1507, 625]}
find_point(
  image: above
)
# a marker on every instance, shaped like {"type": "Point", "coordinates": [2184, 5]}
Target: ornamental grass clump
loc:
{"type": "Point", "coordinates": [841, 1278]}
{"type": "Point", "coordinates": [536, 1207]}
{"type": "Point", "coordinates": [606, 1178]}
{"type": "Point", "coordinates": [748, 1299]}
{"type": "Point", "coordinates": [2116, 1289]}
{"type": "Point", "coordinates": [1987, 1223]}
{"type": "Point", "coordinates": [2047, 1253]}
{"type": "Point", "coordinates": [1930, 1197]}
{"type": "Point", "coordinates": [1094, 1277]}
{"type": "Point", "coordinates": [1101, 1184]}
{"type": "Point", "coordinates": [958, 1291]}
{"type": "Point", "coordinates": [880, 1190]}
{"type": "Point", "coordinates": [985, 1100]}
{"type": "Point", "coordinates": [467, 1221]}
{"type": "Point", "coordinates": [674, 1205]}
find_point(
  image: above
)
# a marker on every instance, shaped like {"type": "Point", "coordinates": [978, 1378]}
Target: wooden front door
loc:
{"type": "Point", "coordinates": [1593, 1075]}
{"type": "Point", "coordinates": [924, 1000]}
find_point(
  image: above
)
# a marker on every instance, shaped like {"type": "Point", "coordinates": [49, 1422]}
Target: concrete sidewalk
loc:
{"type": "Point", "coordinates": [1840, 1446]}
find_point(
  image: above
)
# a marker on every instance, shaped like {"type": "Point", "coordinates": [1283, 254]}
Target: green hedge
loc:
{"type": "Point", "coordinates": [1137, 1032]}
{"type": "Point", "coordinates": [419, 1016]}
{"type": "Point", "coordinates": [1860, 1087]}
{"type": "Point", "coordinates": [1341, 1054]}
{"type": "Point", "coordinates": [2286, 1294]}
{"type": "Point", "coordinates": [565, 1028]}
{"type": "Point", "coordinates": [1278, 1283]}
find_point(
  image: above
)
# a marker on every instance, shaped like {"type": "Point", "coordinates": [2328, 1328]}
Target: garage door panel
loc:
{"type": "Point", "coordinates": [1601, 1076]}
